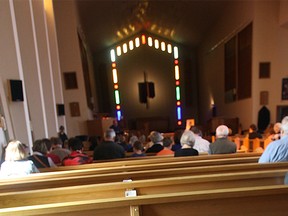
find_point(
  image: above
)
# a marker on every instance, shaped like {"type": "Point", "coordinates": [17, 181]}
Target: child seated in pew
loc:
{"type": "Point", "coordinates": [16, 163]}
{"type": "Point", "coordinates": [138, 149]}
{"type": "Point", "coordinates": [167, 144]}
{"type": "Point", "coordinates": [76, 157]}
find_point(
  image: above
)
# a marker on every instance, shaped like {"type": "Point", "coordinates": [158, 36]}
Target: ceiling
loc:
{"type": "Point", "coordinates": [105, 23]}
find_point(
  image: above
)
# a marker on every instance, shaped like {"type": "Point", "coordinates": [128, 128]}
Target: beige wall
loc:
{"type": "Point", "coordinates": [211, 73]}
{"type": "Point", "coordinates": [270, 43]}
{"type": "Point", "coordinates": [70, 61]}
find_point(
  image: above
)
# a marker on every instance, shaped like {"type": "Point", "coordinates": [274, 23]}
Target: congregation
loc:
{"type": "Point", "coordinates": [117, 144]}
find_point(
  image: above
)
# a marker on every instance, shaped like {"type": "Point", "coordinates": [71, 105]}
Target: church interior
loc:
{"type": "Point", "coordinates": [148, 65]}
{"type": "Point", "coordinates": [211, 61]}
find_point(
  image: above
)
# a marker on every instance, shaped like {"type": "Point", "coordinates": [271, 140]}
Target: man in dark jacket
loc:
{"type": "Point", "coordinates": [108, 149]}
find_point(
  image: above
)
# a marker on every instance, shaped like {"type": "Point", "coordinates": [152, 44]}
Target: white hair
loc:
{"type": "Point", "coordinates": [187, 138]}
{"type": "Point", "coordinates": [109, 134]}
{"type": "Point", "coordinates": [284, 125]}
{"type": "Point", "coordinates": [222, 131]}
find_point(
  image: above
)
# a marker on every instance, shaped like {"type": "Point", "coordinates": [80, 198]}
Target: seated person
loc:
{"type": "Point", "coordinates": [122, 142]}
{"type": "Point", "coordinates": [138, 149]}
{"type": "Point", "coordinates": [54, 157]}
{"type": "Point", "coordinates": [76, 157]}
{"type": "Point", "coordinates": [57, 148]}
{"type": "Point", "coordinates": [156, 139]}
{"type": "Point", "coordinates": [108, 149]}
{"type": "Point", "coordinates": [277, 151]}
{"type": "Point", "coordinates": [187, 141]}
{"type": "Point", "coordinates": [167, 144]}
{"type": "Point", "coordinates": [176, 138]}
{"type": "Point", "coordinates": [277, 131]}
{"type": "Point", "coordinates": [222, 144]}
{"type": "Point", "coordinates": [201, 145]}
{"type": "Point", "coordinates": [16, 163]}
{"type": "Point", "coordinates": [253, 134]}
{"type": "Point", "coordinates": [39, 156]}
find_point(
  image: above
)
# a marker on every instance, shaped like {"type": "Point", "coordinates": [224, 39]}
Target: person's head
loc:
{"type": "Point", "coordinates": [109, 135]}
{"type": "Point", "coordinates": [277, 127]}
{"type": "Point", "coordinates": [196, 130]}
{"type": "Point", "coordinates": [187, 138]}
{"type": "Point", "coordinates": [48, 144]}
{"type": "Point", "coordinates": [61, 128]}
{"type": "Point", "coordinates": [56, 141]}
{"type": "Point", "coordinates": [115, 122]}
{"type": "Point", "coordinates": [222, 131]}
{"type": "Point", "coordinates": [177, 136]}
{"type": "Point", "coordinates": [137, 146]}
{"type": "Point", "coordinates": [284, 126]}
{"type": "Point", "coordinates": [75, 144]}
{"type": "Point", "coordinates": [40, 146]}
{"type": "Point", "coordinates": [252, 128]}
{"type": "Point", "coordinates": [16, 151]}
{"type": "Point", "coordinates": [155, 137]}
{"type": "Point", "coordinates": [167, 142]}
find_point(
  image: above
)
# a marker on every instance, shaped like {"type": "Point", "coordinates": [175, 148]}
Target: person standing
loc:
{"type": "Point", "coordinates": [62, 135]}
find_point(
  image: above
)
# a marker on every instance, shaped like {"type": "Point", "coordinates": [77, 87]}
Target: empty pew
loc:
{"type": "Point", "coordinates": [248, 201]}
{"type": "Point", "coordinates": [14, 185]}
{"type": "Point", "coordinates": [155, 187]}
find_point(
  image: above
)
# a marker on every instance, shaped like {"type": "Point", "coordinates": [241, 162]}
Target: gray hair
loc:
{"type": "Point", "coordinates": [222, 131]}
{"type": "Point", "coordinates": [109, 134]}
{"type": "Point", "coordinates": [284, 125]}
{"type": "Point", "coordinates": [187, 138]}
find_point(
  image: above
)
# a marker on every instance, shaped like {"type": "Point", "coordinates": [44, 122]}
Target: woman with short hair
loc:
{"type": "Point", "coordinates": [187, 142]}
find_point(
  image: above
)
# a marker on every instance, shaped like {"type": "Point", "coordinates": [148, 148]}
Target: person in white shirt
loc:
{"type": "Point", "coordinates": [201, 145]}
{"type": "Point", "coordinates": [277, 151]}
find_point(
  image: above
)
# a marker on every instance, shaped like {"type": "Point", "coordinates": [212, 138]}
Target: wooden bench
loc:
{"type": "Point", "coordinates": [153, 160]}
{"type": "Point", "coordinates": [248, 201]}
{"type": "Point", "coordinates": [163, 187]}
{"type": "Point", "coordinates": [92, 176]}
{"type": "Point", "coordinates": [79, 178]}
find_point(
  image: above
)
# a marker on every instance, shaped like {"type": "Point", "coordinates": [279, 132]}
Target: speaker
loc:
{"type": "Point", "coordinates": [142, 92]}
{"type": "Point", "coordinates": [60, 110]}
{"type": "Point", "coordinates": [16, 90]}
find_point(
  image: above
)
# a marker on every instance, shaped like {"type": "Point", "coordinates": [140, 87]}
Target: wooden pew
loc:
{"type": "Point", "coordinates": [46, 181]}
{"type": "Point", "coordinates": [91, 176]}
{"type": "Point", "coordinates": [153, 160]}
{"type": "Point", "coordinates": [162, 186]}
{"type": "Point", "coordinates": [252, 144]}
{"type": "Point", "coordinates": [248, 201]}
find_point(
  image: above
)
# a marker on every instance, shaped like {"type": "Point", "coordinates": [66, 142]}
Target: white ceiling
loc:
{"type": "Point", "coordinates": [187, 22]}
